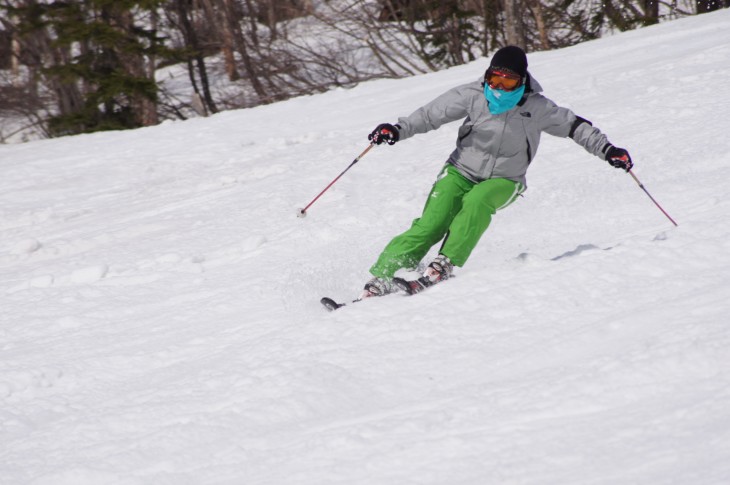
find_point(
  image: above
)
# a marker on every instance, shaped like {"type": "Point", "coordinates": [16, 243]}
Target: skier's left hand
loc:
{"type": "Point", "coordinates": [384, 133]}
{"type": "Point", "coordinates": [619, 158]}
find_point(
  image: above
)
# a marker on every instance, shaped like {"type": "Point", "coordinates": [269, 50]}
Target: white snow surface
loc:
{"type": "Point", "coordinates": [161, 322]}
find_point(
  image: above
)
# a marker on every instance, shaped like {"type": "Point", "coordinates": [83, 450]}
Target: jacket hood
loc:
{"type": "Point", "coordinates": [532, 85]}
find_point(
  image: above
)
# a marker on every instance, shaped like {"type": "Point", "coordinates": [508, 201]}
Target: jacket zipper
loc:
{"type": "Point", "coordinates": [499, 148]}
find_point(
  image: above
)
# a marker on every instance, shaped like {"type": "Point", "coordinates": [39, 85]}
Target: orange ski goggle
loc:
{"type": "Point", "coordinates": [503, 79]}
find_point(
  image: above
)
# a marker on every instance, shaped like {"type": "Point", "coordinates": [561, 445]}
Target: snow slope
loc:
{"type": "Point", "coordinates": [160, 321]}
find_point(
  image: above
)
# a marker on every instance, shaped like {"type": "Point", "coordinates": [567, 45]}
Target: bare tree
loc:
{"type": "Point", "coordinates": [513, 28]}
{"type": "Point", "coordinates": [91, 64]}
{"type": "Point", "coordinates": [181, 17]}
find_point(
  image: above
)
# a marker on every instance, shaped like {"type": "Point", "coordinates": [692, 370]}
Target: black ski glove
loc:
{"type": "Point", "coordinates": [385, 132]}
{"type": "Point", "coordinates": [619, 158]}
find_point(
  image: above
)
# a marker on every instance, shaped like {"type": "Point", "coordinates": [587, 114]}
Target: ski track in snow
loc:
{"type": "Point", "coordinates": [161, 321]}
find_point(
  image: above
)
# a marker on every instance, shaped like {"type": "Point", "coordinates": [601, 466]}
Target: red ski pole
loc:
{"type": "Point", "coordinates": [652, 198]}
{"type": "Point", "coordinates": [303, 212]}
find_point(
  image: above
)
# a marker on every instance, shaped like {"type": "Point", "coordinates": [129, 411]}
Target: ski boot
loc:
{"type": "Point", "coordinates": [377, 287]}
{"type": "Point", "coordinates": [438, 270]}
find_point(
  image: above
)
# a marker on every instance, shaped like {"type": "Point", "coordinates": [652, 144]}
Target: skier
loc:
{"type": "Point", "coordinates": [504, 116]}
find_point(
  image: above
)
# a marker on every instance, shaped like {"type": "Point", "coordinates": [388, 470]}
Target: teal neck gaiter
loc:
{"type": "Point", "coordinates": [501, 101]}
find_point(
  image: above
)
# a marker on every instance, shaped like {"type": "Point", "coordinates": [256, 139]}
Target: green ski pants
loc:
{"type": "Point", "coordinates": [456, 208]}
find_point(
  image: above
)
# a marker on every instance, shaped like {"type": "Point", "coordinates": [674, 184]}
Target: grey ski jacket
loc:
{"type": "Point", "coordinates": [500, 146]}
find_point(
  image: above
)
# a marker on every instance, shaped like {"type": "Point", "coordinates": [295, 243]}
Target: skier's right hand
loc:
{"type": "Point", "coordinates": [619, 158]}
{"type": "Point", "coordinates": [384, 133]}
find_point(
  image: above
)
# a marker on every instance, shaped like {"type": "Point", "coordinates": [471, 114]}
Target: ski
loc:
{"type": "Point", "coordinates": [411, 287]}
{"type": "Point", "coordinates": [331, 305]}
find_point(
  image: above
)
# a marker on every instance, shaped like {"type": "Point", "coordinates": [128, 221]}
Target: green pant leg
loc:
{"type": "Point", "coordinates": [444, 202]}
{"type": "Point", "coordinates": [478, 207]}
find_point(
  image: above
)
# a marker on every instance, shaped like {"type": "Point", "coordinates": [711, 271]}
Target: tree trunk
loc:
{"type": "Point", "coordinates": [489, 10]}
{"type": "Point", "coordinates": [513, 30]}
{"type": "Point", "coordinates": [651, 12]}
{"type": "Point", "coordinates": [705, 6]}
{"type": "Point", "coordinates": [68, 94]}
{"type": "Point", "coordinates": [240, 42]}
{"type": "Point", "coordinates": [271, 17]}
{"type": "Point", "coordinates": [217, 17]}
{"type": "Point", "coordinates": [15, 60]}
{"type": "Point", "coordinates": [540, 21]}
{"type": "Point", "coordinates": [150, 116]}
{"type": "Point", "coordinates": [192, 42]}
{"type": "Point", "coordinates": [144, 108]}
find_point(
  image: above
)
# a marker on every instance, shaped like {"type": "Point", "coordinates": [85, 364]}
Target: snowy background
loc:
{"type": "Point", "coordinates": [161, 322]}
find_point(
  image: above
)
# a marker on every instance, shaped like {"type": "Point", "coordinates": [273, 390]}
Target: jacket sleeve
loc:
{"type": "Point", "coordinates": [450, 106]}
{"type": "Point", "coordinates": [562, 122]}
